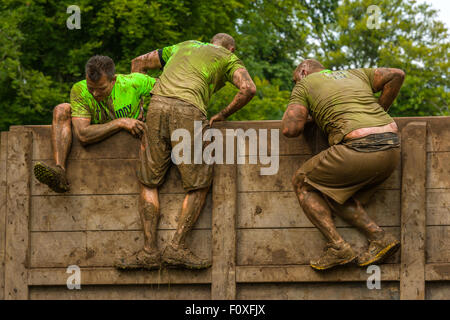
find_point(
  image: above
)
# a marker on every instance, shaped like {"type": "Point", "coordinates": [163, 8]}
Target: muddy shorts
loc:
{"type": "Point", "coordinates": [164, 116]}
{"type": "Point", "coordinates": [341, 172]}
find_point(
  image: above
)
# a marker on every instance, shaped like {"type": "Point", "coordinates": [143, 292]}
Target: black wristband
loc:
{"type": "Point", "coordinates": [161, 60]}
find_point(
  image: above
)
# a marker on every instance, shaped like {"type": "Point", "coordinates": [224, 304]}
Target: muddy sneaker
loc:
{"type": "Point", "coordinates": [140, 260]}
{"type": "Point", "coordinates": [334, 255]}
{"type": "Point", "coordinates": [379, 250]}
{"type": "Point", "coordinates": [54, 178]}
{"type": "Point", "coordinates": [183, 257]}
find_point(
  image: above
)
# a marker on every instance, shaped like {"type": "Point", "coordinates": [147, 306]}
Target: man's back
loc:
{"type": "Point", "coordinates": [341, 101]}
{"type": "Point", "coordinates": [194, 70]}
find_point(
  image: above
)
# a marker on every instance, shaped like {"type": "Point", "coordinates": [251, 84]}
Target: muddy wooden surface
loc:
{"type": "Point", "coordinates": [252, 226]}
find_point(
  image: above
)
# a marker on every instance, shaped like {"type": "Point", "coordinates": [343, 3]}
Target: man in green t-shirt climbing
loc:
{"type": "Point", "coordinates": [100, 106]}
{"type": "Point", "coordinates": [364, 152]}
{"type": "Point", "coordinates": [192, 72]}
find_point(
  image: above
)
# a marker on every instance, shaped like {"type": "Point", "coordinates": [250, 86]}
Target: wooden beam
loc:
{"type": "Point", "coordinates": [304, 273]}
{"type": "Point", "coordinates": [224, 202]}
{"type": "Point", "coordinates": [3, 155]}
{"type": "Point", "coordinates": [413, 211]}
{"type": "Point", "coordinates": [112, 276]}
{"type": "Point", "coordinates": [17, 214]}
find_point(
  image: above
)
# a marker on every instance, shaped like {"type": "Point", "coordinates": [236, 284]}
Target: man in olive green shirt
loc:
{"type": "Point", "coordinates": [364, 151]}
{"type": "Point", "coordinates": [192, 72]}
{"type": "Point", "coordinates": [101, 105]}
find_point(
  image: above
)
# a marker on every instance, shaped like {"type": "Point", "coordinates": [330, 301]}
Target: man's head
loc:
{"type": "Point", "coordinates": [100, 76]}
{"type": "Point", "coordinates": [305, 68]}
{"type": "Point", "coordinates": [224, 40]}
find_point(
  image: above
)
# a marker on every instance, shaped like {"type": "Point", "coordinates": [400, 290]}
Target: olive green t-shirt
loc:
{"type": "Point", "coordinates": [340, 101]}
{"type": "Point", "coordinates": [123, 102]}
{"type": "Point", "coordinates": [194, 70]}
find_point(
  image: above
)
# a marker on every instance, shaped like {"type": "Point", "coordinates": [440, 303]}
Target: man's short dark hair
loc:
{"type": "Point", "coordinates": [99, 65]}
{"type": "Point", "coordinates": [310, 64]}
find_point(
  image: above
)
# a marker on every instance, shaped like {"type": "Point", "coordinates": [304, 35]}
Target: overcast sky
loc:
{"type": "Point", "coordinates": [443, 7]}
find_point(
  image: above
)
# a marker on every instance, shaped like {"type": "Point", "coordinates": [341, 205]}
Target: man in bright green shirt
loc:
{"type": "Point", "coordinates": [100, 106]}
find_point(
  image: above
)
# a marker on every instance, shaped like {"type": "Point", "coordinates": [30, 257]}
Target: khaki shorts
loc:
{"type": "Point", "coordinates": [340, 172]}
{"type": "Point", "coordinates": [163, 117]}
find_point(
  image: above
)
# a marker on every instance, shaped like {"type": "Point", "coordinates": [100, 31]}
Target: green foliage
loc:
{"type": "Point", "coordinates": [269, 102]}
{"type": "Point", "coordinates": [40, 58]}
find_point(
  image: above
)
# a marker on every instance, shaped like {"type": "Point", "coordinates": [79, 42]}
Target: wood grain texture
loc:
{"type": "Point", "coordinates": [106, 212]}
{"type": "Point", "coordinates": [259, 247]}
{"type": "Point", "coordinates": [317, 291]}
{"type": "Point", "coordinates": [223, 285]}
{"type": "Point", "coordinates": [131, 292]}
{"type": "Point", "coordinates": [282, 210]}
{"type": "Point", "coordinates": [298, 273]}
{"type": "Point", "coordinates": [413, 211]}
{"type": "Point", "coordinates": [101, 248]}
{"type": "Point", "coordinates": [17, 214]}
{"type": "Point", "coordinates": [3, 188]}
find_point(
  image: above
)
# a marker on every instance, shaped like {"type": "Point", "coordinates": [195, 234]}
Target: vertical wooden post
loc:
{"type": "Point", "coordinates": [224, 201]}
{"type": "Point", "coordinates": [413, 211]}
{"type": "Point", "coordinates": [17, 213]}
{"type": "Point", "coordinates": [3, 151]}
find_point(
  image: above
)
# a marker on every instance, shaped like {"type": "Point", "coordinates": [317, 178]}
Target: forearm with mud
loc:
{"type": "Point", "coordinates": [240, 99]}
{"type": "Point", "coordinates": [98, 132]}
{"type": "Point", "coordinates": [390, 92]}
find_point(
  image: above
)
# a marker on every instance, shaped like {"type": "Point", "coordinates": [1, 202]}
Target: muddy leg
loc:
{"type": "Point", "coordinates": [61, 134]}
{"type": "Point", "coordinates": [353, 212]}
{"type": "Point", "coordinates": [192, 207]}
{"type": "Point", "coordinates": [149, 213]}
{"type": "Point", "coordinates": [316, 209]}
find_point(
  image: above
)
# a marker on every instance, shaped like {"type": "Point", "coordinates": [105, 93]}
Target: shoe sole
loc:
{"type": "Point", "coordinates": [334, 265]}
{"type": "Point", "coordinates": [171, 263]}
{"type": "Point", "coordinates": [383, 254]}
{"type": "Point", "coordinates": [48, 176]}
{"type": "Point", "coordinates": [137, 267]}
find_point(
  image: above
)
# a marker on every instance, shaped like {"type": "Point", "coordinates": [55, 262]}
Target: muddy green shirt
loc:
{"type": "Point", "coordinates": [194, 70]}
{"type": "Point", "coordinates": [340, 101]}
{"type": "Point", "coordinates": [123, 102]}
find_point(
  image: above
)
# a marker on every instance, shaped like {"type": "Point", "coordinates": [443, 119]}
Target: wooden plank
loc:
{"type": "Point", "coordinates": [3, 152]}
{"type": "Point", "coordinates": [101, 248]}
{"type": "Point", "coordinates": [299, 273]}
{"type": "Point", "coordinates": [317, 291]}
{"type": "Point", "coordinates": [17, 216]}
{"type": "Point", "coordinates": [413, 211]}
{"type": "Point", "coordinates": [438, 170]}
{"type": "Point", "coordinates": [281, 210]}
{"type": "Point", "coordinates": [438, 244]}
{"type": "Point", "coordinates": [119, 146]}
{"type": "Point", "coordinates": [223, 285]}
{"type": "Point", "coordinates": [438, 291]}
{"type": "Point", "coordinates": [438, 135]}
{"type": "Point", "coordinates": [112, 276]}
{"type": "Point", "coordinates": [133, 292]}
{"type": "Point", "coordinates": [107, 176]}
{"type": "Point", "coordinates": [251, 180]}
{"type": "Point", "coordinates": [109, 212]}
{"type": "Point", "coordinates": [258, 247]}
{"type": "Point", "coordinates": [437, 272]}
{"type": "Point", "coordinates": [438, 207]}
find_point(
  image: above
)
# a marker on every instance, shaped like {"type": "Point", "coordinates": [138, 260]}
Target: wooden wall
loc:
{"type": "Point", "coordinates": [252, 225]}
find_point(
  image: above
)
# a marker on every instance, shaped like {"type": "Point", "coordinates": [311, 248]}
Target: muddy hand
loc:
{"type": "Point", "coordinates": [133, 126]}
{"type": "Point", "coordinates": [217, 117]}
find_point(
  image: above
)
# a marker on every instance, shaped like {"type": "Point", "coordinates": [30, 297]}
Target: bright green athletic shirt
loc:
{"type": "Point", "coordinates": [123, 102]}
{"type": "Point", "coordinates": [340, 101]}
{"type": "Point", "coordinates": [194, 70]}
